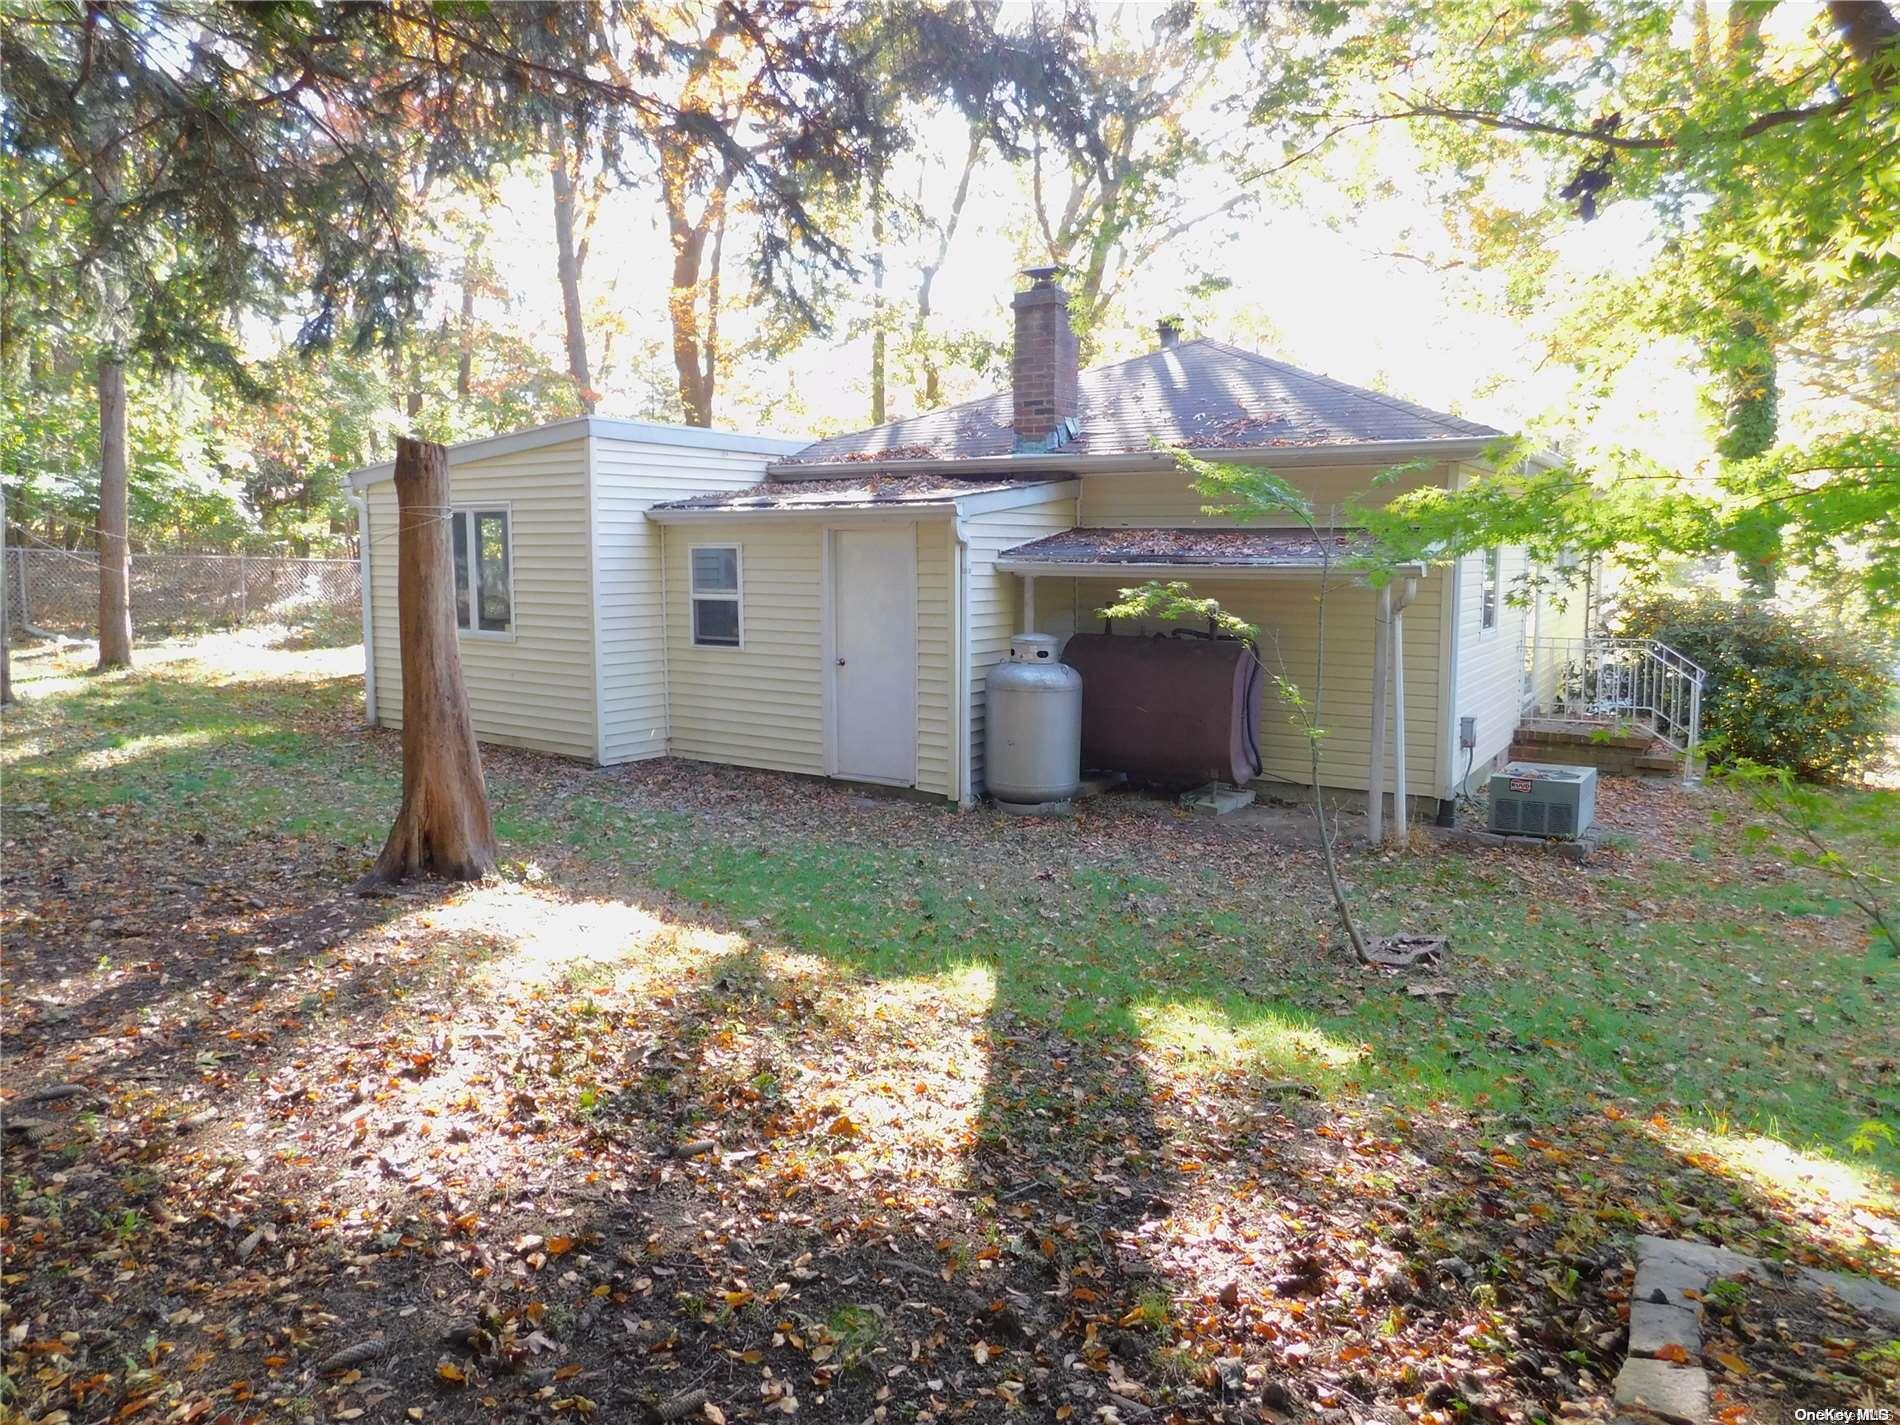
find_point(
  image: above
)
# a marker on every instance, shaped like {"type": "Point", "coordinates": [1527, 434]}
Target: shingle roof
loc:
{"type": "Point", "coordinates": [873, 490]}
{"type": "Point", "coordinates": [1197, 394]}
{"type": "Point", "coordinates": [1233, 548]}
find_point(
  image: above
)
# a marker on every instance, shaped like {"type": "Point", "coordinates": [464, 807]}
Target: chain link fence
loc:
{"type": "Point", "coordinates": [53, 591]}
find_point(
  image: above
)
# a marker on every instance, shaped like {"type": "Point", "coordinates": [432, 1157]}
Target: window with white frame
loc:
{"type": "Point", "coordinates": [1488, 589]}
{"type": "Point", "coordinates": [715, 583]}
{"type": "Point", "coordinates": [484, 575]}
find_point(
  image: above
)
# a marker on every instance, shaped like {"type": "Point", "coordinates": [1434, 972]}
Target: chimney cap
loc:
{"type": "Point", "coordinates": [1168, 329]}
{"type": "Point", "coordinates": [1043, 276]}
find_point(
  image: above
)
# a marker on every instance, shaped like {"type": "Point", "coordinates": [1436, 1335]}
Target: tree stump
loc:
{"type": "Point", "coordinates": [442, 827]}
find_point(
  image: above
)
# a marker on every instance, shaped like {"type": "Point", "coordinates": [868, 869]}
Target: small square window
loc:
{"type": "Point", "coordinates": [716, 596]}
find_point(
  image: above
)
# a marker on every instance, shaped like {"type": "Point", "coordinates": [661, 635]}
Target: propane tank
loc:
{"type": "Point", "coordinates": [1032, 734]}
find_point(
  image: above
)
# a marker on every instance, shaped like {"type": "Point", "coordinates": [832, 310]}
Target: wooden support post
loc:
{"type": "Point", "coordinates": [1375, 773]}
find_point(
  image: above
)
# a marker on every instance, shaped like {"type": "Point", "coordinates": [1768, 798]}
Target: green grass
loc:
{"type": "Point", "coordinates": [1667, 989]}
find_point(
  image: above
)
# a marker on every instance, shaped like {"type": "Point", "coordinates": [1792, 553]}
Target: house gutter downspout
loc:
{"type": "Point", "coordinates": [1388, 704]}
{"type": "Point", "coordinates": [1381, 666]}
{"type": "Point", "coordinates": [960, 717]}
{"type": "Point", "coordinates": [361, 502]}
{"type": "Point", "coordinates": [1400, 829]}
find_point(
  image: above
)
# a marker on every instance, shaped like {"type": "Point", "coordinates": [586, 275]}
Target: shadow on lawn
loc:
{"type": "Point", "coordinates": [1110, 982]}
{"type": "Point", "coordinates": [1065, 1158]}
{"type": "Point", "coordinates": [1034, 1254]}
{"type": "Point", "coordinates": [1040, 1256]}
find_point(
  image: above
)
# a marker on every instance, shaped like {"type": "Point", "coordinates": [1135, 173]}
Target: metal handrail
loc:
{"type": "Point", "coordinates": [1661, 650]}
{"type": "Point", "coordinates": [1597, 678]}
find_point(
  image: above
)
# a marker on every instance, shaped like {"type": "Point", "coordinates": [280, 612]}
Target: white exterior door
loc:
{"type": "Point", "coordinates": [874, 654]}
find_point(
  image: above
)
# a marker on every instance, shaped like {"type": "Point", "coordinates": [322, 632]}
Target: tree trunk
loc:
{"type": "Point", "coordinates": [413, 402]}
{"type": "Point", "coordinates": [1872, 32]}
{"type": "Point", "coordinates": [709, 368]}
{"type": "Point", "coordinates": [6, 600]}
{"type": "Point", "coordinates": [568, 263]}
{"type": "Point", "coordinates": [115, 556]}
{"type": "Point", "coordinates": [933, 372]}
{"type": "Point", "coordinates": [683, 309]}
{"type": "Point", "coordinates": [442, 827]}
{"type": "Point", "coordinates": [403, 395]}
{"type": "Point", "coordinates": [465, 335]}
{"type": "Point", "coordinates": [879, 346]}
{"type": "Point", "coordinates": [115, 562]}
{"type": "Point", "coordinates": [695, 339]}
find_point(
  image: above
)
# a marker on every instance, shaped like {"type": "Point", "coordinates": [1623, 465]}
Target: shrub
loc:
{"type": "Point", "coordinates": [1784, 690]}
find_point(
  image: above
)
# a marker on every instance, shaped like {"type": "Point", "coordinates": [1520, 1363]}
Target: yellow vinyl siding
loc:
{"type": "Point", "coordinates": [995, 598]}
{"type": "Point", "coordinates": [761, 704]}
{"type": "Point", "coordinates": [629, 477]}
{"type": "Point", "coordinates": [1287, 613]}
{"type": "Point", "coordinates": [936, 681]}
{"type": "Point", "coordinates": [1162, 501]}
{"type": "Point", "coordinates": [536, 689]}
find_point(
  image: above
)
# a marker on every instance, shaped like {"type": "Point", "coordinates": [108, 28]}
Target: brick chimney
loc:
{"type": "Point", "coordinates": [1168, 330]}
{"type": "Point", "coordinates": [1043, 369]}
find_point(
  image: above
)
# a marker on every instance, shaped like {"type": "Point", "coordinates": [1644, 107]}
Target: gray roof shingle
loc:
{"type": "Point", "coordinates": [1230, 548]}
{"type": "Point", "coordinates": [872, 490]}
{"type": "Point", "coordinates": [1196, 395]}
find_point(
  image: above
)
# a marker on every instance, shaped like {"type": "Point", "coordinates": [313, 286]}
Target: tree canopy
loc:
{"type": "Point", "coordinates": [204, 192]}
{"type": "Point", "coordinates": [1739, 163]}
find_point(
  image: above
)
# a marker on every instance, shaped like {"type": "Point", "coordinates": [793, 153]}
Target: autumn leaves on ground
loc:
{"type": "Point", "coordinates": [745, 1097]}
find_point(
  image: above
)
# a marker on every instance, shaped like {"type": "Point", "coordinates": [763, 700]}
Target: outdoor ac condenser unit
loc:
{"type": "Point", "coordinates": [1540, 799]}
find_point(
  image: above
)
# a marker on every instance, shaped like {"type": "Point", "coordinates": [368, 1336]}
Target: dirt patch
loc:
{"type": "Point", "coordinates": [1777, 1345]}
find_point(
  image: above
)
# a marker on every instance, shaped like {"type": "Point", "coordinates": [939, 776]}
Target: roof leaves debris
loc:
{"type": "Point", "coordinates": [1198, 395]}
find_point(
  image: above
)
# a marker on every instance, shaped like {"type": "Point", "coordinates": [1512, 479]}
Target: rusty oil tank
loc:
{"type": "Point", "coordinates": [1169, 708]}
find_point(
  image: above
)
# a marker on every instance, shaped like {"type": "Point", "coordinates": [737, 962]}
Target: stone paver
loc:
{"type": "Point", "coordinates": [1861, 1293]}
{"type": "Point", "coordinates": [1665, 1312]}
{"type": "Point", "coordinates": [1660, 1279]}
{"type": "Point", "coordinates": [1678, 1393]}
{"type": "Point", "coordinates": [1716, 1261]}
{"type": "Point", "coordinates": [1655, 1327]}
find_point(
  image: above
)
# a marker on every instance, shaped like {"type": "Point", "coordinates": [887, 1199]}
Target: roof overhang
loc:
{"type": "Point", "coordinates": [1185, 570]}
{"type": "Point", "coordinates": [581, 427]}
{"type": "Point", "coordinates": [1373, 452]}
{"type": "Point", "coordinates": [972, 504]}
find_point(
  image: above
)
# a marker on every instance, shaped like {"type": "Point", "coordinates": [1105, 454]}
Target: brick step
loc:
{"type": "Point", "coordinates": [1667, 763]}
{"type": "Point", "coordinates": [1613, 756]}
{"type": "Point", "coordinates": [1575, 734]}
